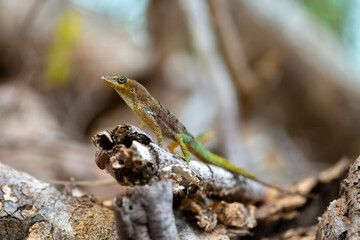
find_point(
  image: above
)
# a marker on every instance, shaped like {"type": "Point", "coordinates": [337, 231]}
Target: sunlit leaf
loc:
{"type": "Point", "coordinates": [66, 35]}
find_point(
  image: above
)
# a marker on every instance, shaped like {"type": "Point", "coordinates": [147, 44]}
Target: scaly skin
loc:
{"type": "Point", "coordinates": [164, 123]}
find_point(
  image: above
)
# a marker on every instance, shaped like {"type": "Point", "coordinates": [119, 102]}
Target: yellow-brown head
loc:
{"type": "Point", "coordinates": [130, 90]}
{"type": "Point", "coordinates": [119, 83]}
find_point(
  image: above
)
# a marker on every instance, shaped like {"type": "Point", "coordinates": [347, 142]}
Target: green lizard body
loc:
{"type": "Point", "coordinates": [164, 123]}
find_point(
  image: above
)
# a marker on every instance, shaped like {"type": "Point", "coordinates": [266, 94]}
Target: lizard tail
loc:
{"type": "Point", "coordinates": [206, 156]}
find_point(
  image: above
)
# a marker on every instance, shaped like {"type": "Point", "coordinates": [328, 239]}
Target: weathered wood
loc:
{"type": "Point", "coordinates": [341, 219]}
{"type": "Point", "coordinates": [33, 209]}
{"type": "Point", "coordinates": [146, 212]}
{"type": "Point", "coordinates": [130, 156]}
{"type": "Point", "coordinates": [36, 210]}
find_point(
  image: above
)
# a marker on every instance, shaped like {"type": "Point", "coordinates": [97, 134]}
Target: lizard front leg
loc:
{"type": "Point", "coordinates": [151, 122]}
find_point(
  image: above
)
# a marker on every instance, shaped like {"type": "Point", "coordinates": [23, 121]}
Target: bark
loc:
{"type": "Point", "coordinates": [146, 212]}
{"type": "Point", "coordinates": [210, 195]}
{"type": "Point", "coordinates": [196, 205]}
{"type": "Point", "coordinates": [341, 219]}
{"type": "Point", "coordinates": [130, 156]}
{"type": "Point", "coordinates": [31, 209]}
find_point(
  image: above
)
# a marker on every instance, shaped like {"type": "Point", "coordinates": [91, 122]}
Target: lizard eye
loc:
{"type": "Point", "coordinates": [122, 80]}
{"type": "Point", "coordinates": [132, 90]}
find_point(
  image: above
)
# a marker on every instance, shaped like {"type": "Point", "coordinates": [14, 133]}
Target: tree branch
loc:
{"type": "Point", "coordinates": [130, 156]}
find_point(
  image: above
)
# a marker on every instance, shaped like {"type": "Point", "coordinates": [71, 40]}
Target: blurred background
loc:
{"type": "Point", "coordinates": [278, 84]}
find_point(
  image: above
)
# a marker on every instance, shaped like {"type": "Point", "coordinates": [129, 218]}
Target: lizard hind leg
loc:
{"type": "Point", "coordinates": [183, 139]}
{"type": "Point", "coordinates": [202, 138]}
{"type": "Point", "coordinates": [142, 125]}
{"type": "Point", "coordinates": [172, 145]}
{"type": "Point", "coordinates": [206, 136]}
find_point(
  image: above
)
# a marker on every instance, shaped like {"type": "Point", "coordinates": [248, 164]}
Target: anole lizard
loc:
{"type": "Point", "coordinates": [164, 123]}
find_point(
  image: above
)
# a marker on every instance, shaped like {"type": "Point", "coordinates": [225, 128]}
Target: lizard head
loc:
{"type": "Point", "coordinates": [129, 90]}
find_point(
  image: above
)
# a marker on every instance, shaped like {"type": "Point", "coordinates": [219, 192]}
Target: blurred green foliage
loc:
{"type": "Point", "coordinates": [67, 33]}
{"type": "Point", "coordinates": [332, 13]}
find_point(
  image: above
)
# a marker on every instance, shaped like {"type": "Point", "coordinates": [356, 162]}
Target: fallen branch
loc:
{"type": "Point", "coordinates": [130, 156]}
{"type": "Point", "coordinates": [33, 209]}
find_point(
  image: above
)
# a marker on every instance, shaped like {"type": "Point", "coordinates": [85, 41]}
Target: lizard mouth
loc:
{"type": "Point", "coordinates": [109, 80]}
